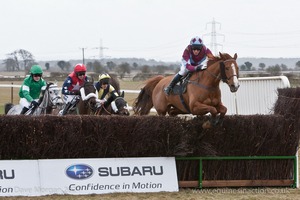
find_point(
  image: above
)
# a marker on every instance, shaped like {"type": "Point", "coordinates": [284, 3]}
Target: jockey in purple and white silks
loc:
{"type": "Point", "coordinates": [193, 56]}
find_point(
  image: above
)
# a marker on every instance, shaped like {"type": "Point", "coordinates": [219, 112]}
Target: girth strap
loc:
{"type": "Point", "coordinates": [184, 104]}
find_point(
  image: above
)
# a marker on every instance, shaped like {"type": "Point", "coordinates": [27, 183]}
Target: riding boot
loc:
{"type": "Point", "coordinates": [66, 108]}
{"type": "Point", "coordinates": [24, 110]}
{"type": "Point", "coordinates": [175, 80]}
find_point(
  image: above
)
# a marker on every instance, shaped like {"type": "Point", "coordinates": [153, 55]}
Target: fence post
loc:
{"type": "Point", "coordinates": [12, 93]}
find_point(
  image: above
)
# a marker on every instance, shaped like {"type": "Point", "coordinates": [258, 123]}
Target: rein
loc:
{"type": "Point", "coordinates": [98, 112]}
{"type": "Point", "coordinates": [223, 77]}
{"type": "Point", "coordinates": [196, 82]}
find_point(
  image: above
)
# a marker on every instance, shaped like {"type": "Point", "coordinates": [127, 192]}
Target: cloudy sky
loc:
{"type": "Point", "coordinates": [150, 29]}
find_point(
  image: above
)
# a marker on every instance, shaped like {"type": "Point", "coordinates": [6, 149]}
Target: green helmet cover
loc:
{"type": "Point", "coordinates": [36, 69]}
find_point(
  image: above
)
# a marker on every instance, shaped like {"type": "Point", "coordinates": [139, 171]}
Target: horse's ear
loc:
{"type": "Point", "coordinates": [221, 55]}
{"type": "Point", "coordinates": [122, 94]}
{"type": "Point", "coordinates": [90, 79]}
{"type": "Point", "coordinates": [235, 56]}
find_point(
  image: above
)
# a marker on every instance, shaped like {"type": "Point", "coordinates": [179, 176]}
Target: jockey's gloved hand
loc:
{"type": "Point", "coordinates": [75, 92]}
{"type": "Point", "coordinates": [200, 67]}
{"type": "Point", "coordinates": [34, 104]}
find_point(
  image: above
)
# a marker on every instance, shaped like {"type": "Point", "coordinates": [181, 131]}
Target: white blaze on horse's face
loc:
{"type": "Point", "coordinates": [236, 85]}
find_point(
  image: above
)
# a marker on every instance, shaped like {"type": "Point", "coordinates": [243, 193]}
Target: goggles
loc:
{"type": "Point", "coordinates": [36, 75]}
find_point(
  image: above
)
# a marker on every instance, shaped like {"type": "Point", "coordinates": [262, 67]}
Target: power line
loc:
{"type": "Point", "coordinates": [213, 36]}
{"type": "Point", "coordinates": [101, 48]}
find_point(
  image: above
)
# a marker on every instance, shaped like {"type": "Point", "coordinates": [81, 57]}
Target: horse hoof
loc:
{"type": "Point", "coordinates": [206, 125]}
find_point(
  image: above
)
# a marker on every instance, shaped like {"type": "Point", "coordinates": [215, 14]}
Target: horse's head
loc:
{"type": "Point", "coordinates": [120, 106]}
{"type": "Point", "coordinates": [54, 94]}
{"type": "Point", "coordinates": [89, 95]}
{"type": "Point", "coordinates": [229, 71]}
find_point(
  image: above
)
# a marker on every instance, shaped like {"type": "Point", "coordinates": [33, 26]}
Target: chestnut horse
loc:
{"type": "Point", "coordinates": [202, 94]}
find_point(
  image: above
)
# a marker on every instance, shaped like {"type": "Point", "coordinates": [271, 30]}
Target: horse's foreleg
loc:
{"type": "Point", "coordinates": [175, 111]}
{"type": "Point", "coordinates": [222, 110]}
{"type": "Point", "coordinates": [202, 109]}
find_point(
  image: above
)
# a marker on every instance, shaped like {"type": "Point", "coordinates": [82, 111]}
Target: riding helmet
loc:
{"type": "Point", "coordinates": [196, 42]}
{"type": "Point", "coordinates": [104, 78]}
{"type": "Point", "coordinates": [36, 69]}
{"type": "Point", "coordinates": [79, 68]}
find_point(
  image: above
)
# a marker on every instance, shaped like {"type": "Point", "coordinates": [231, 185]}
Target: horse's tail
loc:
{"type": "Point", "coordinates": [7, 107]}
{"type": "Point", "coordinates": [143, 103]}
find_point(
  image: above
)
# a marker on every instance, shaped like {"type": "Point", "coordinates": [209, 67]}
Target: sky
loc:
{"type": "Point", "coordinates": [149, 29]}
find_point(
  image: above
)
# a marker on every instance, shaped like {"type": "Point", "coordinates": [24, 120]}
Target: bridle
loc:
{"type": "Point", "coordinates": [225, 79]}
{"type": "Point", "coordinates": [223, 76]}
{"type": "Point", "coordinates": [56, 98]}
{"type": "Point", "coordinates": [89, 105]}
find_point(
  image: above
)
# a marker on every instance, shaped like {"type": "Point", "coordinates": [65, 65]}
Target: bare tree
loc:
{"type": "Point", "coordinates": [21, 59]}
{"type": "Point", "coordinates": [10, 64]}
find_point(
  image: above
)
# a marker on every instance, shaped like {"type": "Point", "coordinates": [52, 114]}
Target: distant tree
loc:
{"type": "Point", "coordinates": [283, 67]}
{"type": "Point", "coordinates": [135, 65]}
{"type": "Point", "coordinates": [160, 69]}
{"type": "Point", "coordinates": [274, 70]}
{"type": "Point", "coordinates": [243, 67]}
{"type": "Point", "coordinates": [10, 64]}
{"type": "Point", "coordinates": [98, 67]}
{"type": "Point", "coordinates": [90, 66]}
{"type": "Point", "coordinates": [248, 65]}
{"type": "Point", "coordinates": [22, 59]}
{"type": "Point", "coordinates": [145, 69]}
{"type": "Point", "coordinates": [298, 64]}
{"type": "Point", "coordinates": [262, 66]}
{"type": "Point", "coordinates": [47, 65]}
{"type": "Point", "coordinates": [123, 68]}
{"type": "Point", "coordinates": [111, 65]}
{"type": "Point", "coordinates": [68, 66]}
{"type": "Point", "coordinates": [61, 64]}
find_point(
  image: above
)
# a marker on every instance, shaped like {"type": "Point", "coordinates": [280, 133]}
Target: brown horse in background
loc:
{"type": "Point", "coordinates": [202, 96]}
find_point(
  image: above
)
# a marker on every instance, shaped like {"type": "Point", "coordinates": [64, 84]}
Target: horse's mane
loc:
{"type": "Point", "coordinates": [224, 57]}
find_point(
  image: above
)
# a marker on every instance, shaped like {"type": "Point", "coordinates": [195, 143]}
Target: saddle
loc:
{"type": "Point", "coordinates": [180, 87]}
